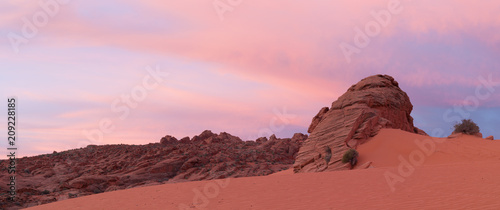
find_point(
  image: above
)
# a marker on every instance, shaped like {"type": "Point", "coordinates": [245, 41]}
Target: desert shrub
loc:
{"type": "Point", "coordinates": [349, 155]}
{"type": "Point", "coordinates": [328, 154]}
{"type": "Point", "coordinates": [467, 126]}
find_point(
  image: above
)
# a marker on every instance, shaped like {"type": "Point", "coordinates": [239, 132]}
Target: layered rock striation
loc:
{"type": "Point", "coordinates": [374, 103]}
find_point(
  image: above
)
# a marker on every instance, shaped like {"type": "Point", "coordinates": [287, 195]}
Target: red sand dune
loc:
{"type": "Point", "coordinates": [452, 173]}
{"type": "Point", "coordinates": [385, 148]}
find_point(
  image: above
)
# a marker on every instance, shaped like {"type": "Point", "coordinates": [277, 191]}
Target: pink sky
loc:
{"type": "Point", "coordinates": [234, 74]}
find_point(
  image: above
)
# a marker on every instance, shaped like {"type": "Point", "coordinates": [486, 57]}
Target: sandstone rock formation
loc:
{"type": "Point", "coordinates": [490, 138]}
{"type": "Point", "coordinates": [318, 119]}
{"type": "Point", "coordinates": [168, 140]}
{"type": "Point", "coordinates": [95, 169]}
{"type": "Point", "coordinates": [373, 103]}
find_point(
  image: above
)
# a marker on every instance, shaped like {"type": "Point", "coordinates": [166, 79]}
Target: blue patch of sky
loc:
{"type": "Point", "coordinates": [430, 118]}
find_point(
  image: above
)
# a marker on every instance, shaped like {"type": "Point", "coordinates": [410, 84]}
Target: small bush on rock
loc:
{"type": "Point", "coordinates": [328, 154]}
{"type": "Point", "coordinates": [350, 156]}
{"type": "Point", "coordinates": [467, 126]}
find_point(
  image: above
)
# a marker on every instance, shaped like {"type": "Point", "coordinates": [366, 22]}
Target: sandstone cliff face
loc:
{"type": "Point", "coordinates": [373, 103]}
{"type": "Point", "coordinates": [317, 119]}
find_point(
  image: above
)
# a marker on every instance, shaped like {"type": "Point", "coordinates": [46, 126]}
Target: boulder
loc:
{"type": "Point", "coordinates": [168, 140]}
{"type": "Point", "coordinates": [261, 140]}
{"type": "Point", "coordinates": [373, 103]}
{"type": "Point", "coordinates": [203, 136]}
{"type": "Point", "coordinates": [228, 138]}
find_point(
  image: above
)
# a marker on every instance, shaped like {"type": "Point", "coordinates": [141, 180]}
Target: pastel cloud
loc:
{"type": "Point", "coordinates": [230, 75]}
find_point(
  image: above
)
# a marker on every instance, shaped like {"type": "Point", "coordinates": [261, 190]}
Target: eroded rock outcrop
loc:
{"type": "Point", "coordinates": [168, 140]}
{"type": "Point", "coordinates": [95, 169]}
{"type": "Point", "coordinates": [317, 119]}
{"type": "Point", "coordinates": [374, 103]}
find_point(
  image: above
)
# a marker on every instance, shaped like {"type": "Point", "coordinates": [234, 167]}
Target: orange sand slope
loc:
{"type": "Point", "coordinates": [451, 173]}
{"type": "Point", "coordinates": [390, 145]}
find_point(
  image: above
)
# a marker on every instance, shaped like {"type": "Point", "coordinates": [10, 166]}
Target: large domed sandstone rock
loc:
{"type": "Point", "coordinates": [374, 103]}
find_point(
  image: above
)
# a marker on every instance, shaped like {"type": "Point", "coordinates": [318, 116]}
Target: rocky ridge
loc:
{"type": "Point", "coordinates": [96, 169]}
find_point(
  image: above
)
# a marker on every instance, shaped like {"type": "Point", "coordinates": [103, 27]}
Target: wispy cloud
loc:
{"type": "Point", "coordinates": [229, 75]}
